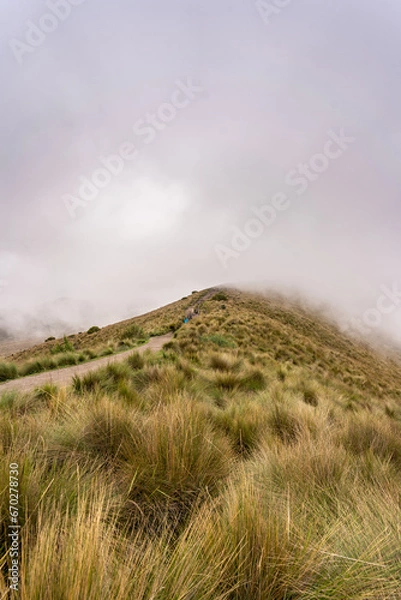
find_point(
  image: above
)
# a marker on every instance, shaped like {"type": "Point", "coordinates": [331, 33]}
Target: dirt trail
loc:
{"type": "Point", "coordinates": [63, 377]}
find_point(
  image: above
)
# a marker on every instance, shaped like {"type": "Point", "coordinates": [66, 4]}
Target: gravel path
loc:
{"type": "Point", "coordinates": [63, 377]}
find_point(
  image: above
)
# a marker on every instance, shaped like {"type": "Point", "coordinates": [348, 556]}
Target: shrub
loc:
{"type": "Point", "coordinates": [220, 297]}
{"type": "Point", "coordinates": [8, 371]}
{"type": "Point", "coordinates": [93, 329]}
{"type": "Point", "coordinates": [66, 346]}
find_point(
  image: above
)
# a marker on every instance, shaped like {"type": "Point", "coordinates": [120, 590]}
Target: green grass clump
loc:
{"type": "Point", "coordinates": [68, 359]}
{"type": "Point", "coordinates": [219, 340]}
{"type": "Point", "coordinates": [7, 371]}
{"type": "Point", "coordinates": [49, 363]}
{"type": "Point", "coordinates": [93, 329]}
{"type": "Point", "coordinates": [220, 297]}
{"type": "Point", "coordinates": [8, 400]}
{"type": "Point", "coordinates": [253, 380]}
{"type": "Point", "coordinates": [89, 382]}
{"type": "Point", "coordinates": [31, 368]}
{"type": "Point", "coordinates": [46, 392]}
{"type": "Point", "coordinates": [108, 351]}
{"type": "Point", "coordinates": [65, 346]}
{"type": "Point", "coordinates": [136, 361]}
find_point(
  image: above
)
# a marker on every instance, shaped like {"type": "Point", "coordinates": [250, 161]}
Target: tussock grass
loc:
{"type": "Point", "coordinates": [136, 361]}
{"type": "Point", "coordinates": [67, 359]}
{"type": "Point", "coordinates": [31, 368]}
{"type": "Point", "coordinates": [244, 422]}
{"type": "Point", "coordinates": [284, 424]}
{"type": "Point", "coordinates": [251, 380]}
{"type": "Point", "coordinates": [88, 383]}
{"type": "Point", "coordinates": [7, 371]}
{"type": "Point", "coordinates": [363, 435]}
{"type": "Point", "coordinates": [225, 362]}
{"type": "Point", "coordinates": [101, 431]}
{"type": "Point", "coordinates": [177, 459]}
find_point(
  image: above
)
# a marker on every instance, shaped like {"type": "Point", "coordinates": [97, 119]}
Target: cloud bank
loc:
{"type": "Point", "coordinates": [271, 83]}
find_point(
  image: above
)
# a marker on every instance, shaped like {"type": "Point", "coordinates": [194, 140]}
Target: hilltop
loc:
{"type": "Point", "coordinates": [256, 456]}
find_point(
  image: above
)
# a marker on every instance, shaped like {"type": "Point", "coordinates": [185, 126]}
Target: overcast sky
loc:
{"type": "Point", "coordinates": [204, 112]}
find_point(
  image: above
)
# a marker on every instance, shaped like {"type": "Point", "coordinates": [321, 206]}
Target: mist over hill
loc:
{"type": "Point", "coordinates": [56, 318]}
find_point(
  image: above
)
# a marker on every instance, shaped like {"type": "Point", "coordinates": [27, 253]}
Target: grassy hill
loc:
{"type": "Point", "coordinates": [258, 456]}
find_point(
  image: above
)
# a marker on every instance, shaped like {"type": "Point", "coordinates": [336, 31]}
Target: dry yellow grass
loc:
{"type": "Point", "coordinates": [256, 457]}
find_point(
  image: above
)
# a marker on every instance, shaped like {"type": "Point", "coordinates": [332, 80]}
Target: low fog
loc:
{"type": "Point", "coordinates": [140, 141]}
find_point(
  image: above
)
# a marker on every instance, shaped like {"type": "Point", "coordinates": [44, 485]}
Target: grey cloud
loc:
{"type": "Point", "coordinates": [271, 95]}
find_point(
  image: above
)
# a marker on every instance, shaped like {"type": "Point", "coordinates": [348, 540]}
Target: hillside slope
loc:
{"type": "Point", "coordinates": [256, 456]}
{"type": "Point", "coordinates": [282, 331]}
